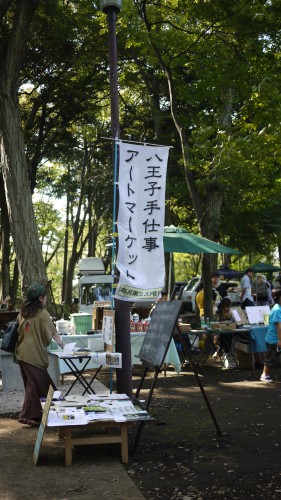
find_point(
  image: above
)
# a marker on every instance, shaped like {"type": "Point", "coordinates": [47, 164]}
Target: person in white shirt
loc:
{"type": "Point", "coordinates": [246, 293]}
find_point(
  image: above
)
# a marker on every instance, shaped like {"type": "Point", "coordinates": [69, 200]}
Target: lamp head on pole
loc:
{"type": "Point", "coordinates": [107, 5]}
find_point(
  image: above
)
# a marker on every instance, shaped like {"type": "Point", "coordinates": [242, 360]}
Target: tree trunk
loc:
{"type": "Point", "coordinates": [68, 282]}
{"type": "Point", "coordinates": [5, 239]}
{"type": "Point", "coordinates": [18, 194]}
{"type": "Point", "coordinates": [15, 285]}
{"type": "Point", "coordinates": [12, 154]}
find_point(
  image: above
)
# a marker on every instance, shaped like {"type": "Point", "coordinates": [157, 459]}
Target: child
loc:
{"type": "Point", "coordinates": [224, 313]}
{"type": "Point", "coordinates": [273, 337]}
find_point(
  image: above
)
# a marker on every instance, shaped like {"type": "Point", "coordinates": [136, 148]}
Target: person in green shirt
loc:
{"type": "Point", "coordinates": [36, 331]}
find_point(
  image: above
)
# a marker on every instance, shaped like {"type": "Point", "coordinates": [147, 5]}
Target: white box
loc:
{"type": "Point", "coordinates": [96, 345]}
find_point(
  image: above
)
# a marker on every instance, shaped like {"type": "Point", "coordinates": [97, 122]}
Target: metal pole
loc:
{"type": "Point", "coordinates": [112, 48]}
{"type": "Point", "coordinates": [170, 275]}
{"type": "Point", "coordinates": [122, 308]}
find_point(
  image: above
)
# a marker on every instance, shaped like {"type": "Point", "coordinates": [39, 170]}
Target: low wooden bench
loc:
{"type": "Point", "coordinates": [112, 432]}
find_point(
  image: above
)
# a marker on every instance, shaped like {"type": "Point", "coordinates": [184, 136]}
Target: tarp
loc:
{"type": "Point", "coordinates": [179, 240]}
{"type": "Point", "coordinates": [230, 273]}
{"type": "Point", "coordinates": [262, 267]}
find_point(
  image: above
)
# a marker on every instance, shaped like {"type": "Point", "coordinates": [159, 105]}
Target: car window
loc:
{"type": "Point", "coordinates": [190, 285]}
{"type": "Point", "coordinates": [194, 281]}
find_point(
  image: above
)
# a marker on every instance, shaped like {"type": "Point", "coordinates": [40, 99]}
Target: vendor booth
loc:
{"type": "Point", "coordinates": [11, 377]}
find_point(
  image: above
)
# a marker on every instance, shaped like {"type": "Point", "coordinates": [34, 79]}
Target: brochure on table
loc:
{"type": "Point", "coordinates": [257, 314]}
{"type": "Point", "coordinates": [108, 330]}
{"type": "Point", "coordinates": [239, 316]}
{"type": "Point", "coordinates": [82, 410]}
{"type": "Point", "coordinates": [103, 358]}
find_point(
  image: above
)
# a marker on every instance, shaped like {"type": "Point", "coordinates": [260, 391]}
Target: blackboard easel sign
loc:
{"type": "Point", "coordinates": [159, 333]}
{"type": "Point", "coordinates": [162, 327]}
{"type": "Point", "coordinates": [155, 346]}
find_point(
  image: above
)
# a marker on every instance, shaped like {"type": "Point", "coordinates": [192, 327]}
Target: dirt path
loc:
{"type": "Point", "coordinates": [96, 473]}
{"type": "Point", "coordinates": [182, 459]}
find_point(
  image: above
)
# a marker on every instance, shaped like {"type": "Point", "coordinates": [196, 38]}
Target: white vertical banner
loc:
{"type": "Point", "coordinates": [142, 186]}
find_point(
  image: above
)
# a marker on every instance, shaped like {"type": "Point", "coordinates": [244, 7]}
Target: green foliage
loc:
{"type": "Point", "coordinates": [51, 231]}
{"type": "Point", "coordinates": [225, 66]}
{"type": "Point", "coordinates": [50, 225]}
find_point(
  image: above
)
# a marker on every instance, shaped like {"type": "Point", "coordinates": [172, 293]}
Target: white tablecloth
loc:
{"type": "Point", "coordinates": [172, 357]}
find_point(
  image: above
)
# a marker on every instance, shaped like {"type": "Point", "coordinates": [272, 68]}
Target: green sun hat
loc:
{"type": "Point", "coordinates": [35, 291]}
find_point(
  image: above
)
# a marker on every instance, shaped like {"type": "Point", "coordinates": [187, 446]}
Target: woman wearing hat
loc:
{"type": "Point", "coordinates": [36, 331]}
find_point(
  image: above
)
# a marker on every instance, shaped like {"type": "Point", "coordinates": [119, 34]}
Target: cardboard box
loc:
{"type": "Point", "coordinates": [184, 327]}
{"type": "Point", "coordinates": [245, 359]}
{"type": "Point", "coordinates": [242, 346]}
{"type": "Point", "coordinates": [227, 326]}
{"type": "Point", "coordinates": [97, 316]}
{"type": "Point", "coordinates": [215, 325]}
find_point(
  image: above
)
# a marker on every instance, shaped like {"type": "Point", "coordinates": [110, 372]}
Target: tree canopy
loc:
{"type": "Point", "coordinates": [201, 76]}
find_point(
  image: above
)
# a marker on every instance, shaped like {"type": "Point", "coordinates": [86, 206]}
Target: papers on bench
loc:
{"type": "Point", "coordinates": [85, 409]}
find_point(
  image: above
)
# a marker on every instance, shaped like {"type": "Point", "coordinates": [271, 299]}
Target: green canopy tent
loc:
{"type": "Point", "coordinates": [262, 267]}
{"type": "Point", "coordinates": [177, 239]}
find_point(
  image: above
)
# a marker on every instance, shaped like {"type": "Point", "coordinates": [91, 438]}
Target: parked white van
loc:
{"type": "Point", "coordinates": [190, 291]}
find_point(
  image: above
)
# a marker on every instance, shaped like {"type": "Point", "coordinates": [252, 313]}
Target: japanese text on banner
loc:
{"type": "Point", "coordinates": [142, 184]}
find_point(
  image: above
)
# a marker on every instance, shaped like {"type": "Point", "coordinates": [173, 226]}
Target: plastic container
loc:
{"type": "Point", "coordinates": [96, 345]}
{"type": "Point", "coordinates": [82, 322]}
{"type": "Point", "coordinates": [62, 326]}
{"type": "Point", "coordinates": [139, 326]}
{"type": "Point", "coordinates": [145, 325]}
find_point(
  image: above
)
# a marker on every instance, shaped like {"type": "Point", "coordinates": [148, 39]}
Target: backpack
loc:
{"type": "Point", "coordinates": [10, 338]}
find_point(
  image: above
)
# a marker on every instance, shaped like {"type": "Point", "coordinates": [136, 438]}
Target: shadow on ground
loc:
{"type": "Point", "coordinates": [180, 457]}
{"type": "Point", "coordinates": [186, 459]}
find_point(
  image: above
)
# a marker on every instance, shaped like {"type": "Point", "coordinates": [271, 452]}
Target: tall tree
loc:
{"type": "Point", "coordinates": [210, 63]}
{"type": "Point", "coordinates": [16, 19]}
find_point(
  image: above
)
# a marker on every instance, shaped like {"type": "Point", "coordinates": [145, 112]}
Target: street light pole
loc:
{"type": "Point", "coordinates": [113, 80]}
{"type": "Point", "coordinates": [122, 308]}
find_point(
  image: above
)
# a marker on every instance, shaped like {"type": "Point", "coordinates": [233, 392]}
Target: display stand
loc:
{"type": "Point", "coordinates": [154, 348]}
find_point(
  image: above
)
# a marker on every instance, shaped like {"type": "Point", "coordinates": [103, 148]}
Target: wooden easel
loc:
{"type": "Point", "coordinates": [154, 349]}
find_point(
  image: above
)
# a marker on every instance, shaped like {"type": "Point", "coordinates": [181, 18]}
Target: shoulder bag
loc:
{"type": "Point", "coordinates": [10, 338]}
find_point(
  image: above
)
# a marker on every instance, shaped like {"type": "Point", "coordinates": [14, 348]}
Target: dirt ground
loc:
{"type": "Point", "coordinates": [186, 459]}
{"type": "Point", "coordinates": [180, 456]}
